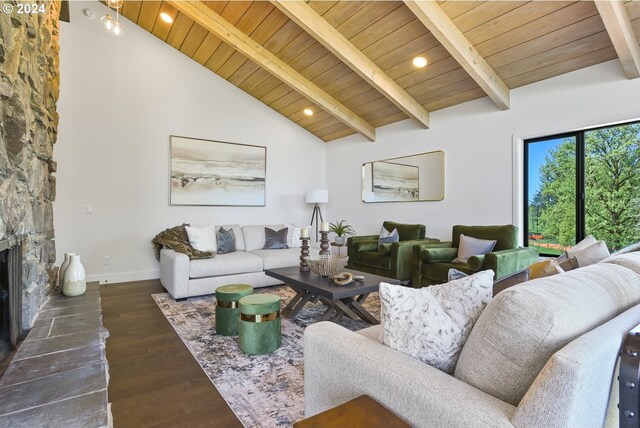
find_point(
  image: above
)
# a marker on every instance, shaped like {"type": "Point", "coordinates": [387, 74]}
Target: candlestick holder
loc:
{"type": "Point", "coordinates": [304, 253]}
{"type": "Point", "coordinates": [324, 243]}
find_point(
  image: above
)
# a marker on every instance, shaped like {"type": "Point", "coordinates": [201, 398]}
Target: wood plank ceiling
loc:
{"type": "Point", "coordinates": [519, 42]}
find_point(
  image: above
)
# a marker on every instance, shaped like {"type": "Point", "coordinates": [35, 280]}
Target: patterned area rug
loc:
{"type": "Point", "coordinates": [262, 390]}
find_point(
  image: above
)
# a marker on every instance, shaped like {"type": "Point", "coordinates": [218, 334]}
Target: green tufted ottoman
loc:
{"type": "Point", "coordinates": [227, 311]}
{"type": "Point", "coordinates": [259, 328]}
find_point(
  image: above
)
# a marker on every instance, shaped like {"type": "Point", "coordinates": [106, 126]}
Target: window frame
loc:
{"type": "Point", "coordinates": [579, 136]}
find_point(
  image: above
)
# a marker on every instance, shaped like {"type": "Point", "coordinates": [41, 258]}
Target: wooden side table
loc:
{"type": "Point", "coordinates": [361, 412]}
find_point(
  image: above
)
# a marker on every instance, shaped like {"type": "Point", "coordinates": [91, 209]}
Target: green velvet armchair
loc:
{"type": "Point", "coordinates": [431, 265]}
{"type": "Point", "coordinates": [390, 260]}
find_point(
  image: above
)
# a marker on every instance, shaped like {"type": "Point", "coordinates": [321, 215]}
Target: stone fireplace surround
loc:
{"type": "Point", "coordinates": [29, 84]}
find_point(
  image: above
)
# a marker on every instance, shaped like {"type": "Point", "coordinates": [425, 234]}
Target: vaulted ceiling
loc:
{"type": "Point", "coordinates": [350, 62]}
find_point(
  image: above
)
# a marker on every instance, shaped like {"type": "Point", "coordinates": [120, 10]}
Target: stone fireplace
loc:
{"type": "Point", "coordinates": [28, 129]}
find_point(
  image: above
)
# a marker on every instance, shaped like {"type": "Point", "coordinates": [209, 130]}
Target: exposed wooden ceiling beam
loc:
{"type": "Point", "coordinates": [449, 36]}
{"type": "Point", "coordinates": [616, 21]}
{"type": "Point", "coordinates": [303, 15]}
{"type": "Point", "coordinates": [219, 26]}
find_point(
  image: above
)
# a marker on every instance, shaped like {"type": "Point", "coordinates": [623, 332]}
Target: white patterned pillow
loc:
{"type": "Point", "coordinates": [433, 323]}
{"type": "Point", "coordinates": [293, 238]}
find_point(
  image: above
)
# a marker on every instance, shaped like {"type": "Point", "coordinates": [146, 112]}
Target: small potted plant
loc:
{"type": "Point", "coordinates": [341, 230]}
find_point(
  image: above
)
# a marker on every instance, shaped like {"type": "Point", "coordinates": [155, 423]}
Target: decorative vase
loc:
{"type": "Point", "coordinates": [63, 267]}
{"type": "Point", "coordinates": [75, 281]}
{"type": "Point", "coordinates": [340, 240]}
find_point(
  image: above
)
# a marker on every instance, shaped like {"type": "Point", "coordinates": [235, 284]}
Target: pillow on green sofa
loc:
{"type": "Point", "coordinates": [433, 323]}
{"type": "Point", "coordinates": [470, 246]}
{"type": "Point", "coordinates": [387, 237]}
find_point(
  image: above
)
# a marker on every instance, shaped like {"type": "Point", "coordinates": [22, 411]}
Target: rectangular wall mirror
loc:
{"type": "Point", "coordinates": [412, 178]}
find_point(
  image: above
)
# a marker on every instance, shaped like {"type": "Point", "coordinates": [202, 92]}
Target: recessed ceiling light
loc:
{"type": "Point", "coordinates": [166, 17]}
{"type": "Point", "coordinates": [420, 61]}
{"type": "Point", "coordinates": [308, 112]}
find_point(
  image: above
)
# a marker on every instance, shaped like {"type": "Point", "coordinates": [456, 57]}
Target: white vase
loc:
{"type": "Point", "coordinates": [75, 281]}
{"type": "Point", "coordinates": [63, 267]}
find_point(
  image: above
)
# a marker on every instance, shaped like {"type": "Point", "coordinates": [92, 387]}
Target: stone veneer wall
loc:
{"type": "Point", "coordinates": [29, 86]}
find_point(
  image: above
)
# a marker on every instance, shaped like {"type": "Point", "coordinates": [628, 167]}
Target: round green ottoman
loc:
{"type": "Point", "coordinates": [259, 328]}
{"type": "Point", "coordinates": [227, 311]}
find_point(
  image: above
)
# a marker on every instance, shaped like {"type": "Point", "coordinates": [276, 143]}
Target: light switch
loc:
{"type": "Point", "coordinates": [87, 209]}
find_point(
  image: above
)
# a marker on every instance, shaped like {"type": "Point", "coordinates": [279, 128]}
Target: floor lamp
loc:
{"type": "Point", "coordinates": [317, 196]}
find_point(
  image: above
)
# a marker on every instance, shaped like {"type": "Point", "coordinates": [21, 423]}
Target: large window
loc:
{"type": "Point", "coordinates": [583, 183]}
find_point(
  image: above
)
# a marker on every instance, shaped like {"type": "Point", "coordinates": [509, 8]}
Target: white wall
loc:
{"type": "Point", "coordinates": [478, 141]}
{"type": "Point", "coordinates": [120, 99]}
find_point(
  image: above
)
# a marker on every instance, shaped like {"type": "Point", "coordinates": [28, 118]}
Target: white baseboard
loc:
{"type": "Point", "coordinates": [112, 278]}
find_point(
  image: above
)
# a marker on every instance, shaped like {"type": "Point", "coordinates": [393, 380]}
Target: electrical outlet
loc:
{"type": "Point", "coordinates": [107, 260]}
{"type": "Point", "coordinates": [87, 209]}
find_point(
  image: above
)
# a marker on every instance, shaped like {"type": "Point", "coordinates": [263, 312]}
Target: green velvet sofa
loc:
{"type": "Point", "coordinates": [390, 260]}
{"type": "Point", "coordinates": [431, 265]}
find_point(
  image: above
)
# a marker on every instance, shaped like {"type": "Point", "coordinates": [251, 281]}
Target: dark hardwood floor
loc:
{"type": "Point", "coordinates": [154, 379]}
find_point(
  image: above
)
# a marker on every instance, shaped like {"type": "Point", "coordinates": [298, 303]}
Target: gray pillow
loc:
{"type": "Point", "coordinates": [511, 280]}
{"type": "Point", "coordinates": [226, 241]}
{"type": "Point", "coordinates": [455, 274]}
{"type": "Point", "coordinates": [387, 237]}
{"type": "Point", "coordinates": [470, 246]}
{"type": "Point", "coordinates": [275, 240]}
{"type": "Point", "coordinates": [568, 264]}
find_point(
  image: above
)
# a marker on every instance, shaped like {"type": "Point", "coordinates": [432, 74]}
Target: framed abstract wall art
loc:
{"type": "Point", "coordinates": [218, 173]}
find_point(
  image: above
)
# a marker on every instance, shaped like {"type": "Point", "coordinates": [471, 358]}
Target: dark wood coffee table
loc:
{"type": "Point", "coordinates": [341, 300]}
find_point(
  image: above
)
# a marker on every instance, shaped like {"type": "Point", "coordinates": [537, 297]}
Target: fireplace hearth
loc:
{"type": "Point", "coordinates": [10, 296]}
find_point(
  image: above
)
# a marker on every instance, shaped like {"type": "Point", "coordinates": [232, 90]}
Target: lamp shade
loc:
{"type": "Point", "coordinates": [317, 196]}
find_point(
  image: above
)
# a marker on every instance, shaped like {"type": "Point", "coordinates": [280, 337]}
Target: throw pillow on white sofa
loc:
{"type": "Point", "coordinates": [293, 238]}
{"type": "Point", "coordinates": [202, 238]}
{"type": "Point", "coordinates": [590, 254]}
{"type": "Point", "coordinates": [433, 323]}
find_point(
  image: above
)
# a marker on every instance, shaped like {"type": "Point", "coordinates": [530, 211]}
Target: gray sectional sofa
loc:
{"type": "Point", "coordinates": [187, 278]}
{"type": "Point", "coordinates": [542, 354]}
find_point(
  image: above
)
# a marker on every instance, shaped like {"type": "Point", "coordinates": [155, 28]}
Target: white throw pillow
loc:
{"type": "Point", "coordinates": [588, 240]}
{"type": "Point", "coordinates": [293, 238]}
{"type": "Point", "coordinates": [470, 246]}
{"type": "Point", "coordinates": [590, 254]}
{"type": "Point", "coordinates": [433, 323]}
{"type": "Point", "coordinates": [202, 238]}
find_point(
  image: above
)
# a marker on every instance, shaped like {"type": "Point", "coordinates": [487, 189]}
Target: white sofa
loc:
{"type": "Point", "coordinates": [187, 278]}
{"type": "Point", "coordinates": [542, 354]}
